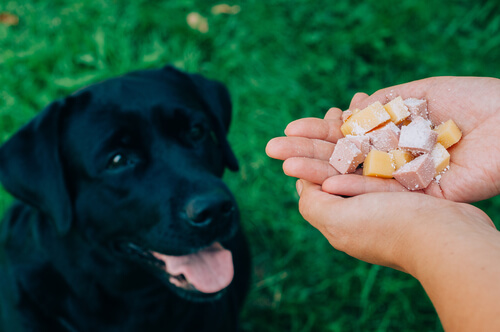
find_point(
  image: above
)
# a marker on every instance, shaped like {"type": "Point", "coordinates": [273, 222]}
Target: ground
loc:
{"type": "Point", "coordinates": [281, 60]}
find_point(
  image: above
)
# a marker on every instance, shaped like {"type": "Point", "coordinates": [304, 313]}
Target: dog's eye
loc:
{"type": "Point", "coordinates": [197, 132]}
{"type": "Point", "coordinates": [119, 160]}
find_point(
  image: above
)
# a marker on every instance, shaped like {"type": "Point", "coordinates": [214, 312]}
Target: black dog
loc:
{"type": "Point", "coordinates": [123, 222]}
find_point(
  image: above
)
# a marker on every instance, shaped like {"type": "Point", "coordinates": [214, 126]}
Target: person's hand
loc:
{"type": "Point", "coordinates": [452, 248]}
{"type": "Point", "coordinates": [474, 174]}
{"type": "Point", "coordinates": [390, 229]}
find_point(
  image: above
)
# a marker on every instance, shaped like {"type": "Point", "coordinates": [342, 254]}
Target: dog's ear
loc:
{"type": "Point", "coordinates": [217, 98]}
{"type": "Point", "coordinates": [218, 102]}
{"type": "Point", "coordinates": [31, 168]}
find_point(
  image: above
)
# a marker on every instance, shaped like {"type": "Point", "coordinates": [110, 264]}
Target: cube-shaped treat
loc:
{"type": "Point", "coordinates": [448, 133]}
{"type": "Point", "coordinates": [346, 115]}
{"type": "Point", "coordinates": [417, 107]}
{"type": "Point", "coordinates": [397, 110]}
{"type": "Point", "coordinates": [346, 156]}
{"type": "Point", "coordinates": [418, 137]}
{"type": "Point", "coordinates": [400, 157]}
{"type": "Point", "coordinates": [385, 138]}
{"type": "Point", "coordinates": [362, 142]}
{"type": "Point", "coordinates": [378, 164]}
{"type": "Point", "coordinates": [365, 120]}
{"type": "Point", "coordinates": [441, 158]}
{"type": "Point", "coordinates": [417, 174]}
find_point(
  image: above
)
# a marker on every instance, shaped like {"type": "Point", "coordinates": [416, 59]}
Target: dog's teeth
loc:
{"type": "Point", "coordinates": [180, 277]}
{"type": "Point", "coordinates": [181, 282]}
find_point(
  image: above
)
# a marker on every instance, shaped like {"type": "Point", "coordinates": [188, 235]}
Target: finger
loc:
{"type": "Point", "coordinates": [289, 147]}
{"type": "Point", "coordinates": [355, 225]}
{"type": "Point", "coordinates": [337, 218]}
{"type": "Point", "coordinates": [354, 184]}
{"type": "Point", "coordinates": [328, 130]}
{"type": "Point", "coordinates": [314, 204]}
{"type": "Point", "coordinates": [358, 97]}
{"type": "Point", "coordinates": [434, 189]}
{"type": "Point", "coordinates": [357, 184]}
{"type": "Point", "coordinates": [437, 91]}
{"type": "Point", "coordinates": [416, 89]}
{"type": "Point", "coordinates": [312, 170]}
{"type": "Point", "coordinates": [333, 113]}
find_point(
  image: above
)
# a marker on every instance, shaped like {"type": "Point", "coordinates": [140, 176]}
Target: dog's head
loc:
{"type": "Point", "coordinates": [133, 165]}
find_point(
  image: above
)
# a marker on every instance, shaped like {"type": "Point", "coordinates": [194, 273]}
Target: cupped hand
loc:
{"type": "Point", "coordinates": [396, 230]}
{"type": "Point", "coordinates": [474, 174]}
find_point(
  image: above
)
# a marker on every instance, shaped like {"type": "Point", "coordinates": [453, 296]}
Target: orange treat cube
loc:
{"type": "Point", "coordinates": [397, 110]}
{"type": "Point", "coordinates": [378, 164]}
{"type": "Point", "coordinates": [441, 158]}
{"type": "Point", "coordinates": [400, 157]}
{"type": "Point", "coordinates": [448, 133]}
{"type": "Point", "coordinates": [365, 120]}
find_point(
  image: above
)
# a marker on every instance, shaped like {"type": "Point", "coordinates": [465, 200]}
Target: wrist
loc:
{"type": "Point", "coordinates": [438, 236]}
{"type": "Point", "coordinates": [437, 233]}
{"type": "Point", "coordinates": [457, 264]}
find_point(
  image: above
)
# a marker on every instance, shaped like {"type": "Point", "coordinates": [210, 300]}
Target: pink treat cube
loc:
{"type": "Point", "coordinates": [418, 137]}
{"type": "Point", "coordinates": [346, 114]}
{"type": "Point", "coordinates": [417, 107]}
{"type": "Point", "coordinates": [346, 156]}
{"type": "Point", "coordinates": [385, 138]}
{"type": "Point", "coordinates": [362, 142]}
{"type": "Point", "coordinates": [417, 174]}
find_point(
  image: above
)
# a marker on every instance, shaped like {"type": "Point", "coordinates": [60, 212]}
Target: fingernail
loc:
{"type": "Point", "coordinates": [299, 186]}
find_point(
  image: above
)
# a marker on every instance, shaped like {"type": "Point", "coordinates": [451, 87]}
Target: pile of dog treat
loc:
{"type": "Point", "coordinates": [396, 140]}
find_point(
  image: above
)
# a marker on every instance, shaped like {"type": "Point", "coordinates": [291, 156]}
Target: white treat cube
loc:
{"type": "Point", "coordinates": [417, 137]}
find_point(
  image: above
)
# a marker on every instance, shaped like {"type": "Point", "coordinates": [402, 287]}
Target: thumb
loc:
{"type": "Point", "coordinates": [315, 204]}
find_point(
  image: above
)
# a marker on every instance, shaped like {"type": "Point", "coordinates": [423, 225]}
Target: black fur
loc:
{"type": "Point", "coordinates": [119, 168]}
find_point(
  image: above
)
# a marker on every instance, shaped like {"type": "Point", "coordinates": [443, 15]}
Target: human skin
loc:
{"type": "Point", "coordinates": [451, 247]}
{"type": "Point", "coordinates": [474, 174]}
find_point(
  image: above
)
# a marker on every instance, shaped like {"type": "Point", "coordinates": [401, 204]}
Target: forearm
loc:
{"type": "Point", "coordinates": [459, 267]}
{"type": "Point", "coordinates": [453, 249]}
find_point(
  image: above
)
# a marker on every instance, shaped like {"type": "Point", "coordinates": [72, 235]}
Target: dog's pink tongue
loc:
{"type": "Point", "coordinates": [209, 270]}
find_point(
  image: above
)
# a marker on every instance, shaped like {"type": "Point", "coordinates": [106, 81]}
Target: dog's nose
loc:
{"type": "Point", "coordinates": [203, 210]}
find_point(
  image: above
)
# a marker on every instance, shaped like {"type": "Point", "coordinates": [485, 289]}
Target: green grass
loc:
{"type": "Point", "coordinates": [281, 60]}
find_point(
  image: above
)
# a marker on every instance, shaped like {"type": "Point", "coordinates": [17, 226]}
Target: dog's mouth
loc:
{"type": "Point", "coordinates": [208, 270]}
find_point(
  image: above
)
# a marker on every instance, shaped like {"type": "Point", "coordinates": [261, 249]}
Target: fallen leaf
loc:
{"type": "Point", "coordinates": [197, 22]}
{"type": "Point", "coordinates": [8, 19]}
{"type": "Point", "coordinates": [225, 9]}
